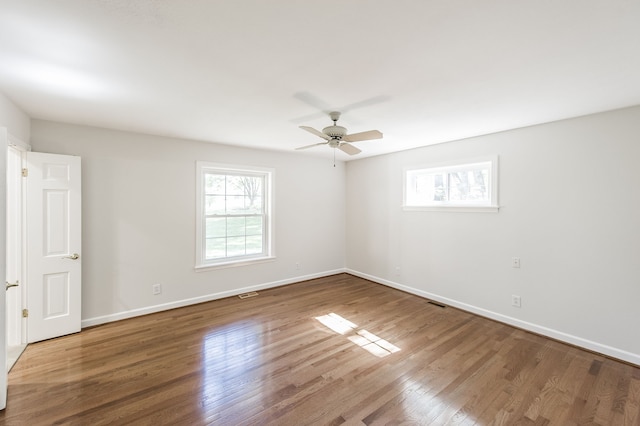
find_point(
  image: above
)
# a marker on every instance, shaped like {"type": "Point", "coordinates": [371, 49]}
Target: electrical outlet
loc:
{"type": "Point", "coordinates": [515, 301]}
{"type": "Point", "coordinates": [397, 271]}
{"type": "Point", "coordinates": [156, 289]}
{"type": "Point", "coordinates": [515, 262]}
{"type": "Point", "coordinates": [297, 266]}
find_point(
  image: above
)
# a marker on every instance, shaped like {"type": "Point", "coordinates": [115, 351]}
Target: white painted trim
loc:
{"type": "Point", "coordinates": [470, 163]}
{"type": "Point", "coordinates": [535, 328]}
{"type": "Point", "coordinates": [18, 143]}
{"type": "Point", "coordinates": [452, 208]}
{"type": "Point", "coordinates": [269, 175]}
{"type": "Point", "coordinates": [15, 238]}
{"type": "Point", "coordinates": [206, 298]}
{"type": "Point", "coordinates": [4, 143]}
{"type": "Point", "coordinates": [234, 264]}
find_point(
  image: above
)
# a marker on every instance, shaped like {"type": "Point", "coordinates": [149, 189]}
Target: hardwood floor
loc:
{"type": "Point", "coordinates": [276, 359]}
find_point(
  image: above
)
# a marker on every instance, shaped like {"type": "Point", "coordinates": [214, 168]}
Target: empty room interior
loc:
{"type": "Point", "coordinates": [337, 212]}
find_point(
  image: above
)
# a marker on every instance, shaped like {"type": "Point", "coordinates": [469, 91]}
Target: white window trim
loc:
{"type": "Point", "coordinates": [453, 206]}
{"type": "Point", "coordinates": [201, 264]}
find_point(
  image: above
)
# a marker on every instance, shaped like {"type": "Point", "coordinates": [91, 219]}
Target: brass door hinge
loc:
{"type": "Point", "coordinates": [25, 313]}
{"type": "Point", "coordinates": [25, 172]}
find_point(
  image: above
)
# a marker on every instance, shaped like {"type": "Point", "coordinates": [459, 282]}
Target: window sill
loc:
{"type": "Point", "coordinates": [233, 264]}
{"type": "Point", "coordinates": [452, 208]}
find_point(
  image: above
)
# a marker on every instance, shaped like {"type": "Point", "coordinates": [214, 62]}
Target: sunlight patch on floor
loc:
{"type": "Point", "coordinates": [336, 323]}
{"type": "Point", "coordinates": [366, 340]}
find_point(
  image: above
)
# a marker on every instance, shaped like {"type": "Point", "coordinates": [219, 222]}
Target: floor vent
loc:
{"type": "Point", "coordinates": [437, 304]}
{"type": "Point", "coordinates": [248, 295]}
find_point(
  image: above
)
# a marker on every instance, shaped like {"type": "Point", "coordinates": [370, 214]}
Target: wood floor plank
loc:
{"type": "Point", "coordinates": [277, 359]}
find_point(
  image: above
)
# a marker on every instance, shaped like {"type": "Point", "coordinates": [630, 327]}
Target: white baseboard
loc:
{"type": "Point", "coordinates": [206, 298]}
{"type": "Point", "coordinates": [538, 329]}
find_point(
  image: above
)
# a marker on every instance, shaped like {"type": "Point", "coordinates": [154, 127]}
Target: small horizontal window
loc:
{"type": "Point", "coordinates": [469, 186]}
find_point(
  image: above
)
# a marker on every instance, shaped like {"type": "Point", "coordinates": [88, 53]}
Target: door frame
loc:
{"type": "Point", "coordinates": [4, 144]}
{"type": "Point", "coordinates": [6, 140]}
{"type": "Point", "coordinates": [16, 267]}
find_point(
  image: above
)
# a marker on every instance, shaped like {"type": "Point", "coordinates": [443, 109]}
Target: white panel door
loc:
{"type": "Point", "coordinates": [53, 222]}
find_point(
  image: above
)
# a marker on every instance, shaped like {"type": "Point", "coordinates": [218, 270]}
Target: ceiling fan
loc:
{"type": "Point", "coordinates": [337, 137]}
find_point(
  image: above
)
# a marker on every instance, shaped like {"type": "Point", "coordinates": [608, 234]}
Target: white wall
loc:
{"type": "Point", "coordinates": [570, 209]}
{"type": "Point", "coordinates": [14, 119]}
{"type": "Point", "coordinates": [139, 219]}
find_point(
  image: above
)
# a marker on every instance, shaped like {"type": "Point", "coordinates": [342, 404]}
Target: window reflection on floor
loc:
{"type": "Point", "coordinates": [366, 340]}
{"type": "Point", "coordinates": [336, 323]}
{"type": "Point", "coordinates": [228, 353]}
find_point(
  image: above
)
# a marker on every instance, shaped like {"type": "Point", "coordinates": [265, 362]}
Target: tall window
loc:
{"type": "Point", "coordinates": [234, 214]}
{"type": "Point", "coordinates": [463, 186]}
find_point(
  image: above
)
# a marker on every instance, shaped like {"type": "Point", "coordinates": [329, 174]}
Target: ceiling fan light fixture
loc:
{"type": "Point", "coordinates": [334, 116]}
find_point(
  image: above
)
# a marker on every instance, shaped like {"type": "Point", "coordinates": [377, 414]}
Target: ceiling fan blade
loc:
{"type": "Point", "coordinates": [311, 146]}
{"type": "Point", "coordinates": [313, 101]}
{"type": "Point", "coordinates": [364, 103]}
{"type": "Point", "coordinates": [324, 108]}
{"type": "Point", "coordinates": [349, 149]}
{"type": "Point", "coordinates": [316, 103]}
{"type": "Point", "coordinates": [363, 136]}
{"type": "Point", "coordinates": [315, 132]}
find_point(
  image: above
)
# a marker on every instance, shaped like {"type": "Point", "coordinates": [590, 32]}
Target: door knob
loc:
{"type": "Point", "coordinates": [74, 256]}
{"type": "Point", "coordinates": [9, 285]}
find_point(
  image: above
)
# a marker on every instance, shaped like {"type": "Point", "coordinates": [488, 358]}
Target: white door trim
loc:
{"type": "Point", "coordinates": [15, 296]}
{"type": "Point", "coordinates": [4, 143]}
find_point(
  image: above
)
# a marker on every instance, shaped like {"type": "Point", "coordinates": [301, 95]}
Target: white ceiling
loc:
{"type": "Point", "coordinates": [248, 72]}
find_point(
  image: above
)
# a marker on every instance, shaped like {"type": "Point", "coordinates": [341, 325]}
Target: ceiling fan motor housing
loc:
{"type": "Point", "coordinates": [334, 131]}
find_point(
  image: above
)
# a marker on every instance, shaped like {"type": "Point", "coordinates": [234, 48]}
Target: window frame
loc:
{"type": "Point", "coordinates": [453, 166]}
{"type": "Point", "coordinates": [203, 168]}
